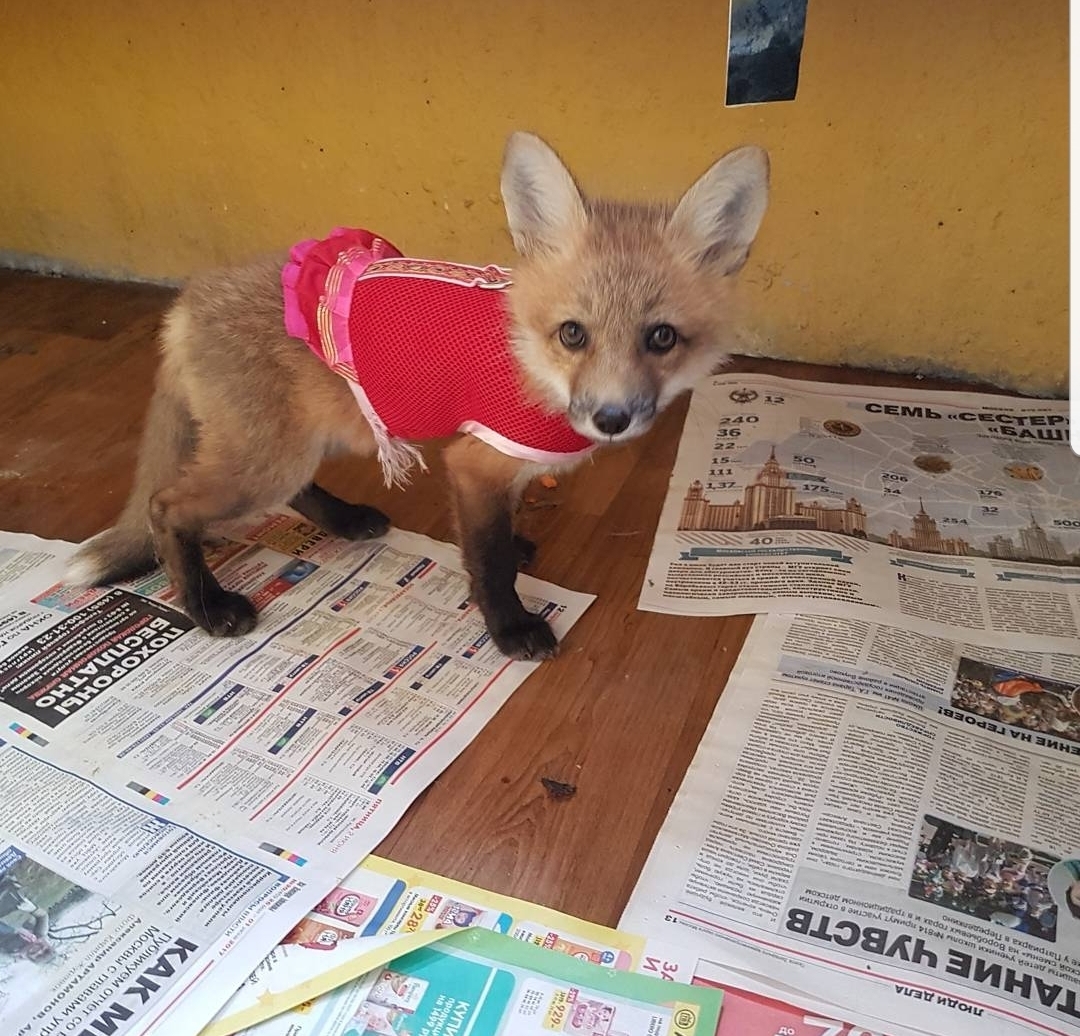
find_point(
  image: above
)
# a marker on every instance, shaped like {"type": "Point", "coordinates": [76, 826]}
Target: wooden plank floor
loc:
{"type": "Point", "coordinates": [619, 713]}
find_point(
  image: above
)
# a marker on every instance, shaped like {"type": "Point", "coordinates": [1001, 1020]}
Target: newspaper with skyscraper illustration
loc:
{"type": "Point", "coordinates": [949, 509]}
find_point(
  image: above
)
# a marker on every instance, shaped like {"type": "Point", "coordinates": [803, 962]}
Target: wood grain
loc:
{"type": "Point", "coordinates": [618, 714]}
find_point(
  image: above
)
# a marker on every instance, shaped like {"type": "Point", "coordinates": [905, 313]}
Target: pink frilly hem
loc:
{"type": "Point", "coordinates": [336, 271]}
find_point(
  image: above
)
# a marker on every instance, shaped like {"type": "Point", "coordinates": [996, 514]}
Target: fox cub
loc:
{"type": "Point", "coordinates": [612, 311]}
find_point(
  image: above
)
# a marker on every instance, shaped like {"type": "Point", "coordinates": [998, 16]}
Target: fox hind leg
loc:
{"type": "Point", "coordinates": [211, 490]}
{"type": "Point", "coordinates": [337, 517]}
{"type": "Point", "coordinates": [221, 612]}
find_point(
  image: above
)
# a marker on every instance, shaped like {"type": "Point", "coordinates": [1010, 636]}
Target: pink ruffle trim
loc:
{"type": "Point", "coordinates": [295, 324]}
{"type": "Point", "coordinates": [356, 250]}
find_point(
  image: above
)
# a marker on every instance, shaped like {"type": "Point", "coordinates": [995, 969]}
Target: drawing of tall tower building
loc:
{"type": "Point", "coordinates": [1035, 544]}
{"type": "Point", "coordinates": [849, 519]}
{"type": "Point", "coordinates": [699, 514]}
{"type": "Point", "coordinates": [926, 537]}
{"type": "Point", "coordinates": [1002, 547]}
{"type": "Point", "coordinates": [769, 503]}
{"type": "Point", "coordinates": [769, 495]}
{"type": "Point", "coordinates": [694, 507]}
{"type": "Point", "coordinates": [924, 531]}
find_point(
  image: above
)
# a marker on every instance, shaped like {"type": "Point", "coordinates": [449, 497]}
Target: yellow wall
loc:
{"type": "Point", "coordinates": [919, 214]}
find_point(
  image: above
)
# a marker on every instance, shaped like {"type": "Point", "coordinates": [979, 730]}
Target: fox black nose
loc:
{"type": "Point", "coordinates": [611, 419]}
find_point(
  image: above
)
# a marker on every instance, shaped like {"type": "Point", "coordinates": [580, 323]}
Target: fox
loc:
{"type": "Point", "coordinates": [612, 310]}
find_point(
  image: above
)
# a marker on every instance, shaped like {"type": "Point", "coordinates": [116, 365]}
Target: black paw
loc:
{"type": "Point", "coordinates": [358, 522]}
{"type": "Point", "coordinates": [224, 614]}
{"type": "Point", "coordinates": [525, 550]}
{"type": "Point", "coordinates": [530, 639]}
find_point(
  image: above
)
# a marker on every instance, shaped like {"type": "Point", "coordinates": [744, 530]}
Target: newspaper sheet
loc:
{"type": "Point", "coordinates": [384, 910]}
{"type": "Point", "coordinates": [945, 508]}
{"type": "Point", "coordinates": [885, 821]}
{"type": "Point", "coordinates": [175, 803]}
{"type": "Point", "coordinates": [482, 983]}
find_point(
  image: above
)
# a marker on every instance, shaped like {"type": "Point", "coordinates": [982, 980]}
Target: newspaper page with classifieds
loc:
{"type": "Point", "coordinates": [176, 803]}
{"type": "Point", "coordinates": [886, 821]}
{"type": "Point", "coordinates": [946, 508]}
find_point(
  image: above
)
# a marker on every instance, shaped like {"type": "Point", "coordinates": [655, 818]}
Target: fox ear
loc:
{"type": "Point", "coordinates": [543, 204]}
{"type": "Point", "coordinates": [718, 218]}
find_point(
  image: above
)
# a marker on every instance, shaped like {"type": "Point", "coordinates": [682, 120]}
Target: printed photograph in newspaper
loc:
{"type": "Point", "coordinates": [45, 922]}
{"type": "Point", "coordinates": [347, 905]}
{"type": "Point", "coordinates": [313, 934]}
{"type": "Point", "coordinates": [1017, 698]}
{"type": "Point", "coordinates": [977, 874]}
{"type": "Point", "coordinates": [1064, 882]}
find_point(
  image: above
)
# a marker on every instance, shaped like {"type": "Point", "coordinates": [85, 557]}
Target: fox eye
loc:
{"type": "Point", "coordinates": [572, 335]}
{"type": "Point", "coordinates": [661, 339]}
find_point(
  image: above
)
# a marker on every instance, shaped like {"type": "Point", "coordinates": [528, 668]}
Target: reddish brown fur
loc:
{"type": "Point", "coordinates": [622, 272]}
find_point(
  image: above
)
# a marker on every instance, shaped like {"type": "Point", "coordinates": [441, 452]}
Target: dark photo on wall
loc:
{"type": "Point", "coordinates": [764, 48]}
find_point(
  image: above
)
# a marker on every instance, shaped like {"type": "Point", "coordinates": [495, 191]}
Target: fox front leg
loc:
{"type": "Point", "coordinates": [483, 491]}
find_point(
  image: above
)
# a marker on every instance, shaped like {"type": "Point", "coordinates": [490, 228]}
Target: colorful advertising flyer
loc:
{"type": "Point", "coordinates": [392, 898]}
{"type": "Point", "coordinates": [383, 909]}
{"type": "Point", "coordinates": [483, 983]}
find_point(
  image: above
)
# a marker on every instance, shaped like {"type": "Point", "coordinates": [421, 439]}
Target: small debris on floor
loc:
{"type": "Point", "coordinates": [558, 789]}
